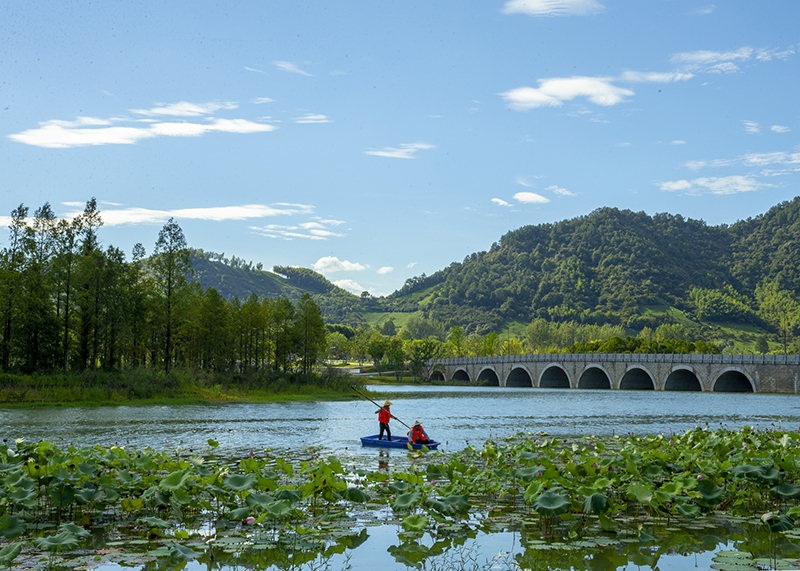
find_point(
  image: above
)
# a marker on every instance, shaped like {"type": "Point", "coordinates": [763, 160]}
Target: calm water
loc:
{"type": "Point", "coordinates": [452, 415]}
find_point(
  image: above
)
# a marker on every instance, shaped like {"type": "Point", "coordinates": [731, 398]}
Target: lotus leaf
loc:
{"type": "Point", "coordinates": [399, 487]}
{"type": "Point", "coordinates": [640, 492]}
{"type": "Point", "coordinates": [688, 510]}
{"type": "Point", "coordinates": [440, 506]}
{"type": "Point", "coordinates": [132, 504]}
{"type": "Point", "coordinates": [10, 552]}
{"type": "Point", "coordinates": [777, 522]}
{"type": "Point", "coordinates": [175, 481]}
{"type": "Point", "coordinates": [551, 503]}
{"type": "Point", "coordinates": [533, 490]}
{"type": "Point", "coordinates": [712, 494]}
{"type": "Point", "coordinates": [240, 513]}
{"type": "Point", "coordinates": [11, 526]}
{"type": "Point", "coordinates": [356, 495]}
{"type": "Point", "coordinates": [653, 471]}
{"type": "Point", "coordinates": [154, 522]}
{"type": "Point", "coordinates": [64, 541]}
{"type": "Point", "coordinates": [409, 554]}
{"type": "Point", "coordinates": [528, 474]}
{"type": "Point", "coordinates": [62, 495]}
{"type": "Point", "coordinates": [596, 503]}
{"type": "Point", "coordinates": [261, 500]}
{"type": "Point", "coordinates": [786, 491]}
{"type": "Point", "coordinates": [280, 509]}
{"type": "Point", "coordinates": [212, 443]}
{"type": "Point", "coordinates": [75, 530]}
{"type": "Point", "coordinates": [406, 501]}
{"type": "Point", "coordinates": [415, 522]}
{"type": "Point", "coordinates": [459, 502]}
{"type": "Point", "coordinates": [239, 482]}
{"type": "Point", "coordinates": [291, 496]}
{"type": "Point", "coordinates": [178, 551]}
{"type": "Point", "coordinates": [23, 497]}
{"type": "Point", "coordinates": [89, 494]}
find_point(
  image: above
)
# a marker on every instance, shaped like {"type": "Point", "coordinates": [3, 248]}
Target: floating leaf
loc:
{"type": "Point", "coordinates": [415, 523]}
{"type": "Point", "coordinates": [156, 522]}
{"type": "Point", "coordinates": [178, 551]}
{"type": "Point", "coordinates": [75, 530]}
{"type": "Point", "coordinates": [406, 501]}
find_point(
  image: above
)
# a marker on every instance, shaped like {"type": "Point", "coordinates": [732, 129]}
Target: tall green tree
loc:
{"type": "Point", "coordinates": [13, 261]}
{"type": "Point", "coordinates": [170, 264]}
{"type": "Point", "coordinates": [310, 333]}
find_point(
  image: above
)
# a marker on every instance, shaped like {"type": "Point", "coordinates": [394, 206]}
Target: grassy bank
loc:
{"type": "Point", "coordinates": [149, 387]}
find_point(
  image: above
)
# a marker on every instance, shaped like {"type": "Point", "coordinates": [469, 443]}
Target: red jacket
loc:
{"type": "Point", "coordinates": [417, 434]}
{"type": "Point", "coordinates": [384, 415]}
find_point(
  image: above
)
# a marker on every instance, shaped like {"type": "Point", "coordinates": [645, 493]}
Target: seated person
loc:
{"type": "Point", "coordinates": [417, 434]}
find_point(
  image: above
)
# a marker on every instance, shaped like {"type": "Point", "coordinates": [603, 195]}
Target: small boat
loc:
{"type": "Point", "coordinates": [396, 442]}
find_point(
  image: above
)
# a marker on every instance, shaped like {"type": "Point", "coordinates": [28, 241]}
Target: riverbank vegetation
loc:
{"type": "Point", "coordinates": [575, 503]}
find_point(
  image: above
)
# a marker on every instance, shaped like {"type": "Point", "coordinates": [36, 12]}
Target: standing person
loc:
{"type": "Point", "coordinates": [384, 414]}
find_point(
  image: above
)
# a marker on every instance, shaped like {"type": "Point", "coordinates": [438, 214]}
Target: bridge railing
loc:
{"type": "Point", "coordinates": [691, 358]}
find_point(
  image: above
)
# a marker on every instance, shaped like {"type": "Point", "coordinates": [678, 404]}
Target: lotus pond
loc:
{"type": "Point", "coordinates": [721, 499]}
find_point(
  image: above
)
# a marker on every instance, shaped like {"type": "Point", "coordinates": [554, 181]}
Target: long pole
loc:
{"type": "Point", "coordinates": [379, 406]}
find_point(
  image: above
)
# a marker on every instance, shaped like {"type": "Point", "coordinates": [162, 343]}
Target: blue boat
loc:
{"type": "Point", "coordinates": [395, 442]}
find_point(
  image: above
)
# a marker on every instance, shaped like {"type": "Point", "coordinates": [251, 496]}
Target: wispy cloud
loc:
{"type": "Point", "coordinates": [654, 77]}
{"type": "Point", "coordinates": [750, 159]}
{"type": "Point", "coordinates": [780, 129]}
{"type": "Point", "coordinates": [530, 198]}
{"type": "Point", "coordinates": [330, 264]}
{"type": "Point", "coordinates": [727, 62]}
{"type": "Point", "coordinates": [751, 127]}
{"type": "Point", "coordinates": [404, 151]}
{"type": "Point", "coordinates": [705, 10]}
{"type": "Point", "coordinates": [385, 270]}
{"type": "Point", "coordinates": [552, 7]}
{"type": "Point", "coordinates": [411, 265]}
{"type": "Point", "coordinates": [186, 109]}
{"type": "Point", "coordinates": [501, 202]}
{"type": "Point", "coordinates": [525, 181]}
{"type": "Point", "coordinates": [94, 131]}
{"type": "Point", "coordinates": [117, 216]}
{"type": "Point", "coordinates": [712, 185]}
{"type": "Point", "coordinates": [291, 67]}
{"type": "Point", "coordinates": [560, 191]}
{"type": "Point", "coordinates": [312, 118]}
{"type": "Point", "coordinates": [261, 100]}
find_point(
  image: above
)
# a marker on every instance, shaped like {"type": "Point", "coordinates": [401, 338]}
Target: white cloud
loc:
{"type": "Point", "coordinates": [135, 215]}
{"type": "Point", "coordinates": [678, 142]}
{"type": "Point", "coordinates": [713, 185]}
{"type": "Point", "coordinates": [330, 264]}
{"type": "Point", "coordinates": [186, 109]}
{"type": "Point", "coordinates": [385, 270]}
{"type": "Point", "coordinates": [349, 285]}
{"type": "Point", "coordinates": [411, 265]}
{"type": "Point", "coordinates": [89, 131]}
{"type": "Point", "coordinates": [531, 198]}
{"type": "Point", "coordinates": [707, 10]}
{"type": "Point", "coordinates": [500, 202]}
{"type": "Point", "coordinates": [553, 92]}
{"type": "Point", "coordinates": [552, 7]}
{"type": "Point", "coordinates": [750, 159]}
{"type": "Point", "coordinates": [751, 127]}
{"type": "Point", "coordinates": [726, 62]}
{"type": "Point", "coordinates": [524, 181]}
{"type": "Point", "coordinates": [654, 77]}
{"type": "Point", "coordinates": [290, 67]}
{"type": "Point", "coordinates": [560, 191]}
{"type": "Point", "coordinates": [312, 118]}
{"type": "Point", "coordinates": [261, 100]}
{"type": "Point", "coordinates": [404, 151]}
{"type": "Point", "coordinates": [780, 129]}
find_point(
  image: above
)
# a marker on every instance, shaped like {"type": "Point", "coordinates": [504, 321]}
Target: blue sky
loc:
{"type": "Point", "coordinates": [375, 141]}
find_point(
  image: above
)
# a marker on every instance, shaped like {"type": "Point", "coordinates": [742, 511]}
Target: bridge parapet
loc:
{"type": "Point", "coordinates": [659, 371]}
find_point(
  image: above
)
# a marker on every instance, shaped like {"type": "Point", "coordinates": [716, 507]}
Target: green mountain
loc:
{"type": "Point", "coordinates": [610, 266]}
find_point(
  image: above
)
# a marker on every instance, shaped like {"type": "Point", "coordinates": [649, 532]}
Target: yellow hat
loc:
{"type": "Point", "coordinates": [416, 423]}
{"type": "Point", "coordinates": [386, 403]}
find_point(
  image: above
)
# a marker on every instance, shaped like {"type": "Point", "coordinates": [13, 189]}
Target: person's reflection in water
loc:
{"type": "Point", "coordinates": [383, 460]}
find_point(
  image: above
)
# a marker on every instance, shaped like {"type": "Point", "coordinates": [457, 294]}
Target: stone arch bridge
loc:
{"type": "Point", "coordinates": [631, 371]}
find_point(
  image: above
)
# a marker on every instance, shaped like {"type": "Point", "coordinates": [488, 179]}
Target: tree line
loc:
{"type": "Point", "coordinates": [67, 304]}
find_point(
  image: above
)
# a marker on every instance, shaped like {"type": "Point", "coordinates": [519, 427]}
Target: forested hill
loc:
{"type": "Point", "coordinates": [234, 277]}
{"type": "Point", "coordinates": [610, 265]}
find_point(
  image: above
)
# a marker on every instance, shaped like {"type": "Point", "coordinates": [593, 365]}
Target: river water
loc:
{"type": "Point", "coordinates": [453, 415]}
{"type": "Point", "coordinates": [456, 416]}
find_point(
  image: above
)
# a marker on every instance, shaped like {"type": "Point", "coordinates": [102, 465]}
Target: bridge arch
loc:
{"type": "Point", "coordinates": [682, 379]}
{"type": "Point", "coordinates": [554, 377]}
{"type": "Point", "coordinates": [437, 376]}
{"type": "Point", "coordinates": [519, 377]}
{"type": "Point", "coordinates": [461, 375]}
{"type": "Point", "coordinates": [594, 377]}
{"type": "Point", "coordinates": [733, 381]}
{"type": "Point", "coordinates": [637, 379]}
{"type": "Point", "coordinates": [488, 377]}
